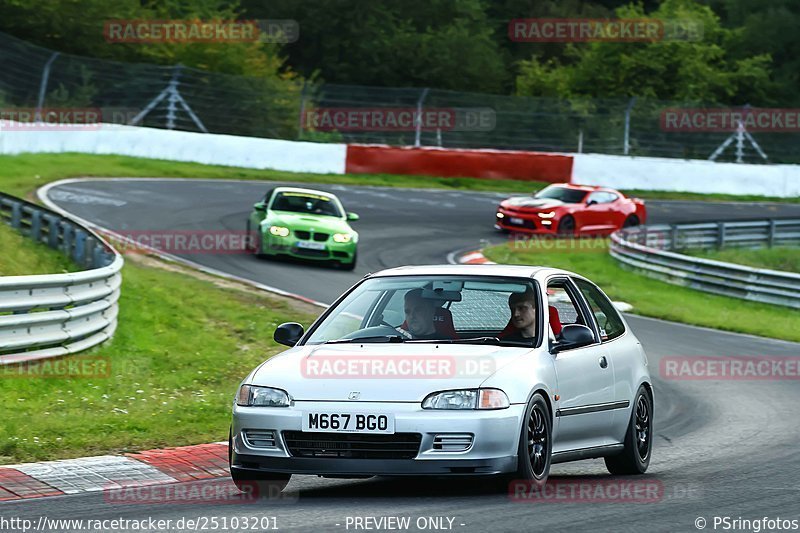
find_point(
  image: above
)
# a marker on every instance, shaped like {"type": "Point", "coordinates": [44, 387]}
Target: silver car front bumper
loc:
{"type": "Point", "coordinates": [493, 448]}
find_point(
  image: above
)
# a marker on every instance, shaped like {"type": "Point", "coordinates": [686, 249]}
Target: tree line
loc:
{"type": "Point", "coordinates": [749, 51]}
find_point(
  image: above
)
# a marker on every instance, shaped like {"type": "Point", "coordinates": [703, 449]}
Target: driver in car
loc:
{"type": "Point", "coordinates": [419, 313]}
{"type": "Point", "coordinates": [523, 316]}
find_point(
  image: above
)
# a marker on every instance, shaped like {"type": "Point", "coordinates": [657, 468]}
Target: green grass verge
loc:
{"type": "Point", "coordinates": [21, 256]}
{"type": "Point", "coordinates": [651, 297]}
{"type": "Point", "coordinates": [778, 258]}
{"type": "Point", "coordinates": [182, 346]}
{"type": "Point", "coordinates": [21, 174]}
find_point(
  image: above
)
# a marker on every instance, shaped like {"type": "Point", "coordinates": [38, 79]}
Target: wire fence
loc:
{"type": "Point", "coordinates": [182, 98]}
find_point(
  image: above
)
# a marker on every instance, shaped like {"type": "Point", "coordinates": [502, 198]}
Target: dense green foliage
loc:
{"type": "Point", "coordinates": [703, 71]}
{"type": "Point", "coordinates": [748, 54]}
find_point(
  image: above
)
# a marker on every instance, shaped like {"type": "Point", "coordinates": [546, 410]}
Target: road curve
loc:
{"type": "Point", "coordinates": [722, 448]}
{"type": "Point", "coordinates": [397, 226]}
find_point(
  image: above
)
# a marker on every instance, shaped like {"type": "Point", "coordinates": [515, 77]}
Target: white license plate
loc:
{"type": "Point", "coordinates": [311, 245]}
{"type": "Point", "coordinates": [515, 220]}
{"type": "Point", "coordinates": [348, 422]}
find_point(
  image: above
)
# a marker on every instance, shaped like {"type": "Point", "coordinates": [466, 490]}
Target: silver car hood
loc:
{"type": "Point", "coordinates": [381, 372]}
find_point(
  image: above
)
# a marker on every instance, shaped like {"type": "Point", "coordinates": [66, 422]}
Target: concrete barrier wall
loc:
{"type": "Point", "coordinates": [644, 173]}
{"type": "Point", "coordinates": [662, 174]}
{"type": "Point", "coordinates": [207, 148]}
{"type": "Point", "coordinates": [487, 164]}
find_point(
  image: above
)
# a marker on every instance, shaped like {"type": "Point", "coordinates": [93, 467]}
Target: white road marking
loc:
{"type": "Point", "coordinates": [90, 474]}
{"type": "Point", "coordinates": [83, 198]}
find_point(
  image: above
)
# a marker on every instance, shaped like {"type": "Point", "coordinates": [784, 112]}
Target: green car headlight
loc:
{"type": "Point", "coordinates": [279, 231]}
{"type": "Point", "coordinates": [342, 237]}
{"type": "Point", "coordinates": [467, 399]}
{"type": "Point", "coordinates": [254, 396]}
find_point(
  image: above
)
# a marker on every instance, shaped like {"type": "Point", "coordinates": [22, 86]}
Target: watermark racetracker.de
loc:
{"type": "Point", "coordinates": [730, 368]}
{"type": "Point", "coordinates": [726, 120]}
{"type": "Point", "coordinates": [184, 242]}
{"type": "Point", "coordinates": [355, 366]}
{"type": "Point", "coordinates": [601, 490]}
{"type": "Point", "coordinates": [149, 31]}
{"type": "Point", "coordinates": [576, 30]}
{"type": "Point", "coordinates": [66, 119]}
{"type": "Point", "coordinates": [212, 492]}
{"type": "Point", "coordinates": [354, 119]}
{"type": "Point", "coordinates": [75, 366]}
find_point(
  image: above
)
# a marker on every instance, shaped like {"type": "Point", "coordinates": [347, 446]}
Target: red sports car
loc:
{"type": "Point", "coordinates": [566, 209]}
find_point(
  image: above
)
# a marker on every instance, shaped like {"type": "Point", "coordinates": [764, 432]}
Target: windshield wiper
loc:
{"type": "Point", "coordinates": [475, 340]}
{"type": "Point", "coordinates": [372, 338]}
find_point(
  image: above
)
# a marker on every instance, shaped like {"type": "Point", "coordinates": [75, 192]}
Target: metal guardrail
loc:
{"type": "Point", "coordinates": [653, 249]}
{"type": "Point", "coordinates": [57, 314]}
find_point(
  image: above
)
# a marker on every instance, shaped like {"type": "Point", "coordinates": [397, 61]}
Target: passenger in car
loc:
{"type": "Point", "coordinates": [523, 316]}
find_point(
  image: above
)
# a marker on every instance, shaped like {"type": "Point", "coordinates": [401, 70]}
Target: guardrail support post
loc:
{"type": "Point", "coordinates": [36, 226]}
{"type": "Point", "coordinates": [80, 246]}
{"type": "Point", "coordinates": [720, 235]}
{"type": "Point", "coordinates": [771, 235]}
{"type": "Point", "coordinates": [673, 237]}
{"type": "Point", "coordinates": [66, 239]}
{"type": "Point", "coordinates": [91, 245]}
{"type": "Point", "coordinates": [97, 257]}
{"type": "Point", "coordinates": [16, 216]}
{"type": "Point", "coordinates": [52, 237]}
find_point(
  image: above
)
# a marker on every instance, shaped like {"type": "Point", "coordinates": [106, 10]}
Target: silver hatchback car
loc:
{"type": "Point", "coordinates": [449, 370]}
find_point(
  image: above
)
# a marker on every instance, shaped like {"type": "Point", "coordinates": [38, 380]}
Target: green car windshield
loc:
{"type": "Point", "coordinates": [307, 203]}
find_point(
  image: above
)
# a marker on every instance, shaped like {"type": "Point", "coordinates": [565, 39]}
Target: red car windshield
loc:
{"type": "Point", "coordinates": [568, 196]}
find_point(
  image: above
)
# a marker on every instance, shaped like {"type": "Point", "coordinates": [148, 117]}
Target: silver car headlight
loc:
{"type": "Point", "coordinates": [342, 237]}
{"type": "Point", "coordinates": [254, 396]}
{"type": "Point", "coordinates": [467, 399]}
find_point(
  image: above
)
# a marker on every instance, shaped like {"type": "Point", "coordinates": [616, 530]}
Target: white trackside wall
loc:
{"type": "Point", "coordinates": [622, 172]}
{"type": "Point", "coordinates": [207, 148]}
{"type": "Point", "coordinates": [688, 175]}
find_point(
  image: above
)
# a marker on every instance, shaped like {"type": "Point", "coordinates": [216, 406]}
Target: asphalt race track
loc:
{"type": "Point", "coordinates": [397, 226]}
{"type": "Point", "coordinates": [722, 448]}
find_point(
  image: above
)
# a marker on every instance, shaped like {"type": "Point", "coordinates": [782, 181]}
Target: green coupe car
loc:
{"type": "Point", "coordinates": [303, 223]}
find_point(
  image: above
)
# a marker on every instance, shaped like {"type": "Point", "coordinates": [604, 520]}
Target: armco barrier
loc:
{"type": "Point", "coordinates": [487, 164]}
{"type": "Point", "coordinates": [652, 249]}
{"type": "Point", "coordinates": [57, 314]}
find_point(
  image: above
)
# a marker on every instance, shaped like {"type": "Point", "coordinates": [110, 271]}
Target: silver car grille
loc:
{"type": "Point", "coordinates": [259, 438]}
{"type": "Point", "coordinates": [452, 442]}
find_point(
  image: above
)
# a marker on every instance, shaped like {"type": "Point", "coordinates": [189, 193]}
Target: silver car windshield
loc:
{"type": "Point", "coordinates": [465, 309]}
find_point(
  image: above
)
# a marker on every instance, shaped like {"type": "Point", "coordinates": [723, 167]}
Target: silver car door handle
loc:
{"type": "Point", "coordinates": [603, 362]}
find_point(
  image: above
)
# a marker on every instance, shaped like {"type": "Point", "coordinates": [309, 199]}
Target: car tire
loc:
{"type": "Point", "coordinates": [351, 265]}
{"type": "Point", "coordinates": [635, 457]}
{"type": "Point", "coordinates": [631, 221]}
{"type": "Point", "coordinates": [566, 226]}
{"type": "Point", "coordinates": [535, 444]}
{"type": "Point", "coordinates": [257, 249]}
{"type": "Point", "coordinates": [248, 242]}
{"type": "Point", "coordinates": [263, 485]}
